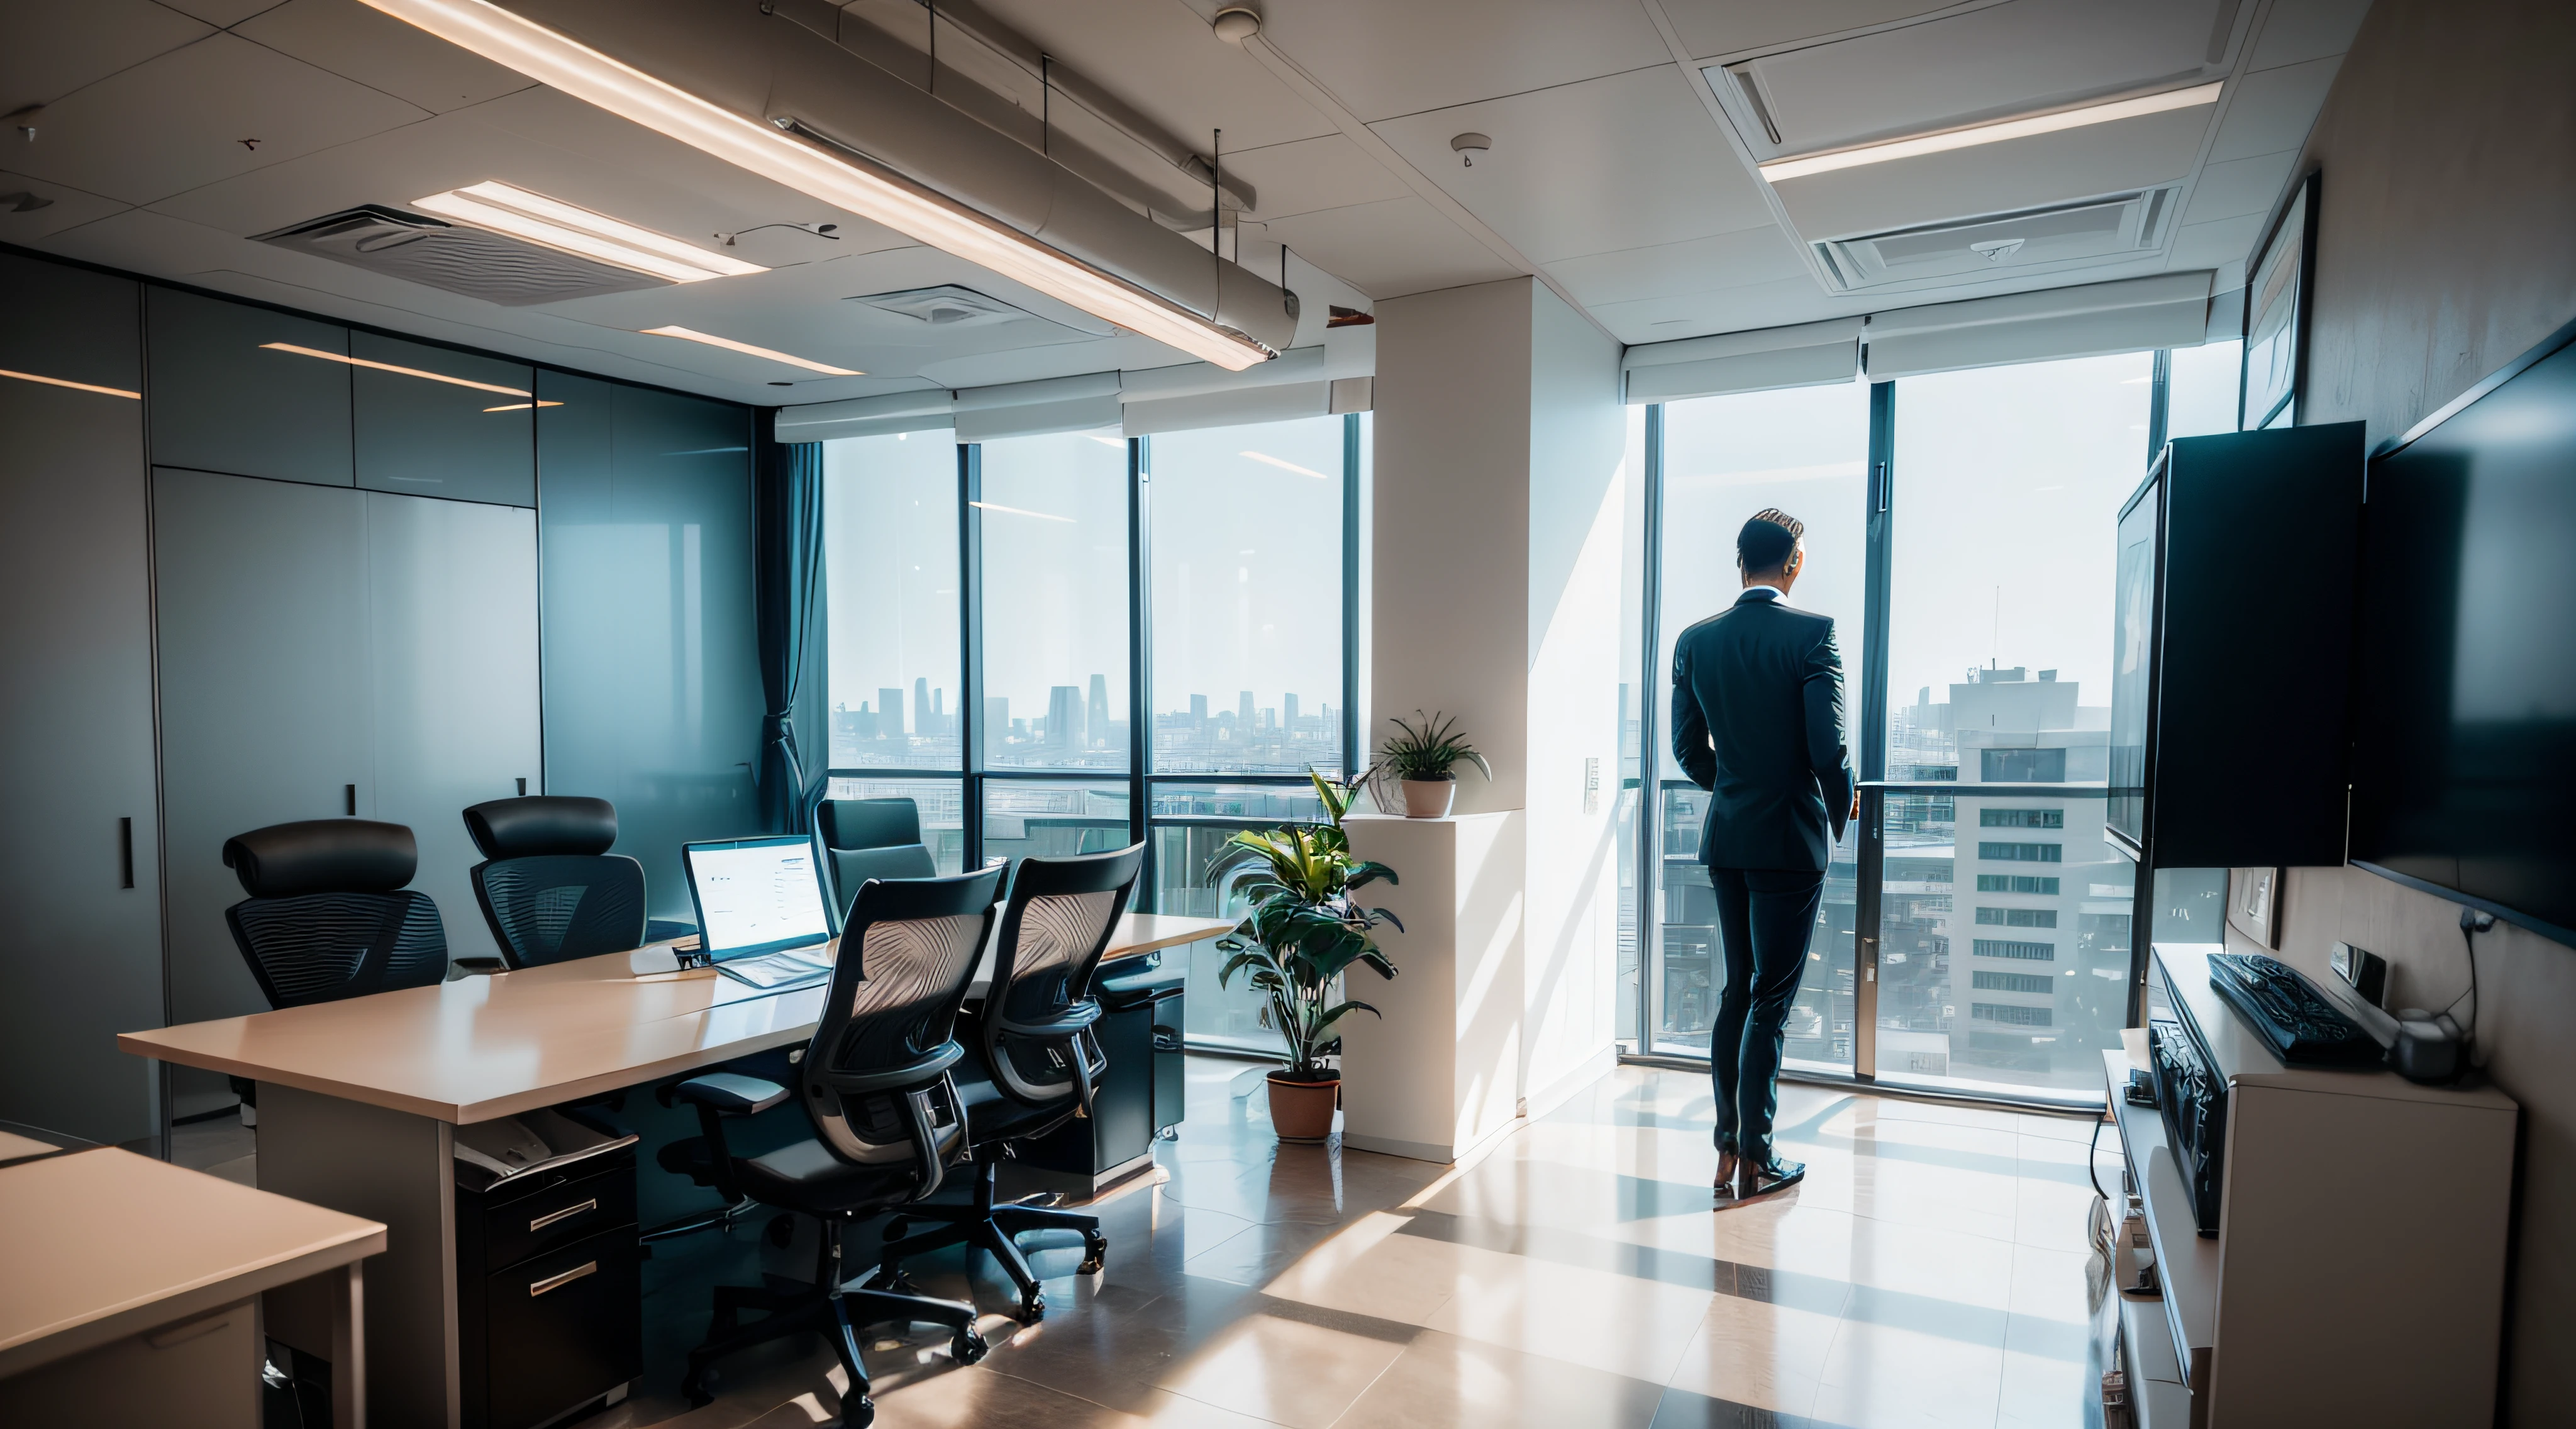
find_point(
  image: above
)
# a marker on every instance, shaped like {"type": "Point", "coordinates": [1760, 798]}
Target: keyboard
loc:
{"type": "Point", "coordinates": [783, 971]}
{"type": "Point", "coordinates": [2292, 1018]}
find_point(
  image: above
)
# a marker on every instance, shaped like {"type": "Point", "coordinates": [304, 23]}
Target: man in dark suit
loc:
{"type": "Point", "coordinates": [1758, 722]}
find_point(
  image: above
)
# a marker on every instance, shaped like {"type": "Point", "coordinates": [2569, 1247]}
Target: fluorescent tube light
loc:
{"type": "Point", "coordinates": [1020, 511]}
{"type": "Point", "coordinates": [521, 406]}
{"type": "Point", "coordinates": [553, 223]}
{"type": "Point", "coordinates": [390, 367]}
{"type": "Point", "coordinates": [75, 386]}
{"type": "Point", "coordinates": [1991, 133]}
{"type": "Point", "coordinates": [711, 340]}
{"type": "Point", "coordinates": [1283, 465]}
{"type": "Point", "coordinates": [871, 192]}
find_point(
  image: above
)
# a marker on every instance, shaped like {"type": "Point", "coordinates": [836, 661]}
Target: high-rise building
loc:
{"type": "Point", "coordinates": [1064, 727]}
{"type": "Point", "coordinates": [997, 716]}
{"type": "Point", "coordinates": [1288, 705]}
{"type": "Point", "coordinates": [1244, 723]}
{"type": "Point", "coordinates": [1097, 712]}
{"type": "Point", "coordinates": [1199, 718]}
{"type": "Point", "coordinates": [890, 714]}
{"type": "Point", "coordinates": [922, 721]}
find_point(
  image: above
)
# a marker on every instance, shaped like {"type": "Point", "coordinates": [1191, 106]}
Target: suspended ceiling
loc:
{"type": "Point", "coordinates": [1622, 169]}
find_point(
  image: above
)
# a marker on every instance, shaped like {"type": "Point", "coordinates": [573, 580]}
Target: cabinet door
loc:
{"type": "Point", "coordinates": [452, 640]}
{"type": "Point", "coordinates": [82, 961]}
{"type": "Point", "coordinates": [261, 594]}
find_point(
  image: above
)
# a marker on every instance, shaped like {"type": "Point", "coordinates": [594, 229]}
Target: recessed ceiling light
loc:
{"type": "Point", "coordinates": [847, 182]}
{"type": "Point", "coordinates": [1993, 133]}
{"type": "Point", "coordinates": [75, 386]}
{"type": "Point", "coordinates": [711, 340]}
{"type": "Point", "coordinates": [391, 367]}
{"type": "Point", "coordinates": [506, 208]}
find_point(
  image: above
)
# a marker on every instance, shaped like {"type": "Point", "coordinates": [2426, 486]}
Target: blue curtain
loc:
{"type": "Point", "coordinates": [790, 512]}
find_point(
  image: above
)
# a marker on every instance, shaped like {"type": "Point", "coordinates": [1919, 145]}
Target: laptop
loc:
{"type": "Point", "coordinates": [761, 918]}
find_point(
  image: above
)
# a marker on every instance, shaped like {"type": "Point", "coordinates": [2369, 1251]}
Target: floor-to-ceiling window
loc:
{"type": "Point", "coordinates": [2003, 948]}
{"type": "Point", "coordinates": [999, 611]}
{"type": "Point", "coordinates": [1803, 452]}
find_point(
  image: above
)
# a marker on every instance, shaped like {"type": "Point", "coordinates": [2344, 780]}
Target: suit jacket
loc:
{"type": "Point", "coordinates": [1758, 722]}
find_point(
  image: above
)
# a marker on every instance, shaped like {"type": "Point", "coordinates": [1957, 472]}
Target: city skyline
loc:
{"type": "Point", "coordinates": [1078, 732]}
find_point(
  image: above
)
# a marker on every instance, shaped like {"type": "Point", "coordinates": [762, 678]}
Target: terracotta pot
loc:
{"type": "Point", "coordinates": [1429, 798]}
{"type": "Point", "coordinates": [1302, 1112]}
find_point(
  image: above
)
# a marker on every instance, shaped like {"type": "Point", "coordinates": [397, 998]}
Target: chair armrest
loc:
{"type": "Point", "coordinates": [730, 1093]}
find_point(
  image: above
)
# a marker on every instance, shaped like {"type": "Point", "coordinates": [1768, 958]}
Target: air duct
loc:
{"type": "Point", "coordinates": [775, 62]}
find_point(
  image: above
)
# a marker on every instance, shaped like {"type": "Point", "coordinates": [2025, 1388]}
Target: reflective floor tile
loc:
{"type": "Point", "coordinates": [1629, 1326]}
{"type": "Point", "coordinates": [1763, 1355]}
{"type": "Point", "coordinates": [1299, 1372]}
{"type": "Point", "coordinates": [1369, 1268]}
{"type": "Point", "coordinates": [1444, 1382]}
{"type": "Point", "coordinates": [1880, 1377]}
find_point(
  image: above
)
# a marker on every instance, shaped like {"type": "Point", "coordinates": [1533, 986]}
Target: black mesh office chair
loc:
{"type": "Point", "coordinates": [551, 890]}
{"type": "Point", "coordinates": [328, 916]}
{"type": "Point", "coordinates": [870, 838]}
{"type": "Point", "coordinates": [887, 1118]}
{"type": "Point", "coordinates": [1033, 1060]}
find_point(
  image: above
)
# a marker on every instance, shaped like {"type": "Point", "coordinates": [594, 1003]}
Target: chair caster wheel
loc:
{"type": "Point", "coordinates": [858, 1413]}
{"type": "Point", "coordinates": [693, 1388]}
{"type": "Point", "coordinates": [1095, 1256]}
{"type": "Point", "coordinates": [968, 1347]}
{"type": "Point", "coordinates": [1032, 1309]}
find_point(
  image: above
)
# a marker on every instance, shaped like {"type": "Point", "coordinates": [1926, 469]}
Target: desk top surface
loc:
{"type": "Point", "coordinates": [101, 1244]}
{"type": "Point", "coordinates": [485, 1047]}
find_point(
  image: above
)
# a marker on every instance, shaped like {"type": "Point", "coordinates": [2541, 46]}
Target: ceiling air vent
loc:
{"type": "Point", "coordinates": [472, 261]}
{"type": "Point", "coordinates": [946, 306]}
{"type": "Point", "coordinates": [2093, 231]}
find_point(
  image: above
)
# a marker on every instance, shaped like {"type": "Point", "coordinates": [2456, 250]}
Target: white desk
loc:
{"type": "Point", "coordinates": [130, 1284]}
{"type": "Point", "coordinates": [359, 1102]}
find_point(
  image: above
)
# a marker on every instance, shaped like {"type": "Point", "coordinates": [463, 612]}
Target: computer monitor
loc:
{"type": "Point", "coordinates": [755, 895]}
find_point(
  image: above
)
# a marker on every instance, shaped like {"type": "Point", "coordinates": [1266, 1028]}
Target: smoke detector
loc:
{"type": "Point", "coordinates": [1236, 23]}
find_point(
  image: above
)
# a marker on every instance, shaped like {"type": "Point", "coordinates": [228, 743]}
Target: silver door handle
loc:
{"type": "Point", "coordinates": [567, 1213]}
{"type": "Point", "coordinates": [557, 1282]}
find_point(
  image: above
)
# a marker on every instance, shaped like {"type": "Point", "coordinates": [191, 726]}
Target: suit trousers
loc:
{"type": "Point", "coordinates": [1766, 918]}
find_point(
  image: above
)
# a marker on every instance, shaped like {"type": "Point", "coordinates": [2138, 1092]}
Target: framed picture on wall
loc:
{"type": "Point", "coordinates": [2276, 315]}
{"type": "Point", "coordinates": [2254, 904]}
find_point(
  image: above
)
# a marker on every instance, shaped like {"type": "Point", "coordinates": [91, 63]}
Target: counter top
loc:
{"type": "Point", "coordinates": [492, 1046]}
{"type": "Point", "coordinates": [99, 1245]}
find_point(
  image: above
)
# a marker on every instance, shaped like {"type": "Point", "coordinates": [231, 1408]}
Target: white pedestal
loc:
{"type": "Point", "coordinates": [1440, 1073]}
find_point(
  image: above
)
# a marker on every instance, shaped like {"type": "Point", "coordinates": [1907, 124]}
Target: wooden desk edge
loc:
{"type": "Point", "coordinates": [62, 1341]}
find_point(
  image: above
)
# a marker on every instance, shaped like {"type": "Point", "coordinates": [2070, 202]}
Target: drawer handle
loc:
{"type": "Point", "coordinates": [567, 1213]}
{"type": "Point", "coordinates": [557, 1282]}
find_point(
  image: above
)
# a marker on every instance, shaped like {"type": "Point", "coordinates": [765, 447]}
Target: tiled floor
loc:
{"type": "Point", "coordinates": [1933, 1270]}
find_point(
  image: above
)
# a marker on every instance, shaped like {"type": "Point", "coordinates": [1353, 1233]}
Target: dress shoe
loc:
{"type": "Point", "coordinates": [1762, 1178]}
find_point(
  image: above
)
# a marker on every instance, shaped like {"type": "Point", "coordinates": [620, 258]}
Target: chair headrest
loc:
{"type": "Point", "coordinates": [323, 856]}
{"type": "Point", "coordinates": [542, 824]}
{"type": "Point", "coordinates": [870, 823]}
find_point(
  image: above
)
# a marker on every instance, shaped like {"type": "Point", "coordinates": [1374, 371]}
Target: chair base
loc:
{"type": "Point", "coordinates": [991, 1228]}
{"type": "Point", "coordinates": [720, 1220]}
{"type": "Point", "coordinates": [833, 1309]}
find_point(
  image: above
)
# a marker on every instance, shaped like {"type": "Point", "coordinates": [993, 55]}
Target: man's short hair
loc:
{"type": "Point", "coordinates": [1765, 542]}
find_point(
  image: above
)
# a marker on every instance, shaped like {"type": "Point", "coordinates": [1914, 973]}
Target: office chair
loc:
{"type": "Point", "coordinates": [870, 838]}
{"type": "Point", "coordinates": [328, 916]}
{"type": "Point", "coordinates": [550, 889]}
{"type": "Point", "coordinates": [1033, 1061]}
{"type": "Point", "coordinates": [887, 1119]}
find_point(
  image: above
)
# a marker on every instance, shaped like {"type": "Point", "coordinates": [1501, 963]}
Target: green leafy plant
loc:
{"type": "Point", "coordinates": [1430, 748]}
{"type": "Point", "coordinates": [1304, 930]}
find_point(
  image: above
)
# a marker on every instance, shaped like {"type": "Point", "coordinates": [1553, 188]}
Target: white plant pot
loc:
{"type": "Point", "coordinates": [1428, 798]}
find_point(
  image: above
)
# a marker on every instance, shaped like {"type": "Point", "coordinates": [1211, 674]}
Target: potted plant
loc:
{"type": "Point", "coordinates": [1422, 758]}
{"type": "Point", "coordinates": [1301, 934]}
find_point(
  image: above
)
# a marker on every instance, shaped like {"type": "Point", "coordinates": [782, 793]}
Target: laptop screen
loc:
{"type": "Point", "coordinates": [755, 895]}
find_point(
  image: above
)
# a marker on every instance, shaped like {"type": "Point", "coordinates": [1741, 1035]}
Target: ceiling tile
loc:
{"type": "Point", "coordinates": [1311, 174]}
{"type": "Point", "coordinates": [2297, 31]}
{"type": "Point", "coordinates": [2215, 244]}
{"type": "Point", "coordinates": [1170, 66]}
{"type": "Point", "coordinates": [1698, 265]}
{"type": "Point", "coordinates": [375, 49]}
{"type": "Point", "coordinates": [2239, 186]}
{"type": "Point", "coordinates": [67, 208]}
{"type": "Point", "coordinates": [1991, 178]}
{"type": "Point", "coordinates": [179, 121]}
{"type": "Point", "coordinates": [222, 14]}
{"type": "Point", "coordinates": [1773, 304]}
{"type": "Point", "coordinates": [1384, 60]}
{"type": "Point", "coordinates": [1621, 162]}
{"type": "Point", "coordinates": [53, 50]}
{"type": "Point", "coordinates": [1389, 249]}
{"type": "Point", "coordinates": [2273, 110]}
{"type": "Point", "coordinates": [1728, 27]}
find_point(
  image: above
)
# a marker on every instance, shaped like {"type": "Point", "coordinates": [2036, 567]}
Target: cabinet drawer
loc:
{"type": "Point", "coordinates": [563, 1328]}
{"type": "Point", "coordinates": [558, 1215]}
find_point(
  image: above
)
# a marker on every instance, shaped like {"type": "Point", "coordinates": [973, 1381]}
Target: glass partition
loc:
{"type": "Point", "coordinates": [1803, 451]}
{"type": "Point", "coordinates": [940, 802]}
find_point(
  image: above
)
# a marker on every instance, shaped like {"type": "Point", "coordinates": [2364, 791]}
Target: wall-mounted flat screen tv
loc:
{"type": "Point", "coordinates": [2464, 774]}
